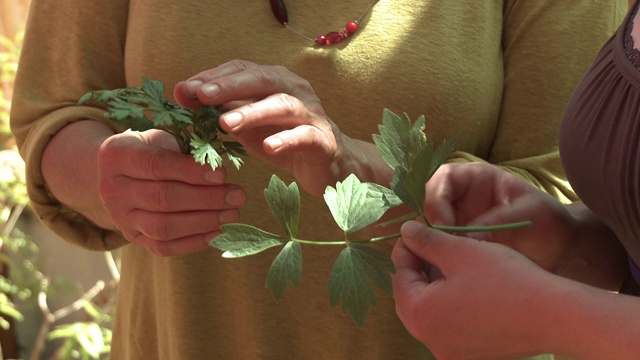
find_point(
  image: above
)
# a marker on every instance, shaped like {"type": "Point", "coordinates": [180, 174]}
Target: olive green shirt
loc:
{"type": "Point", "coordinates": [494, 74]}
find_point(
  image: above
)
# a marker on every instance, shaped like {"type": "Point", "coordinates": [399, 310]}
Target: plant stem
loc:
{"type": "Point", "coordinates": [510, 226]}
{"type": "Point", "coordinates": [490, 228]}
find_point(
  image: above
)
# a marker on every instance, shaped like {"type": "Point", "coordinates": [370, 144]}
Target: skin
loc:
{"type": "Point", "coordinates": [490, 301]}
{"type": "Point", "coordinates": [139, 184]}
{"type": "Point", "coordinates": [277, 117]}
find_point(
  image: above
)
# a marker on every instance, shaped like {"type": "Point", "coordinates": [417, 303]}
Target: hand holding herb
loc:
{"type": "Point", "coordinates": [354, 204]}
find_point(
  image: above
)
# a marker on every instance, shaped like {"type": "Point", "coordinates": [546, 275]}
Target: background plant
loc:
{"type": "Point", "coordinates": [27, 285]}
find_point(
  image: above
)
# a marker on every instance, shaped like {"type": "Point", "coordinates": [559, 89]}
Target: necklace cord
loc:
{"type": "Point", "coordinates": [279, 10]}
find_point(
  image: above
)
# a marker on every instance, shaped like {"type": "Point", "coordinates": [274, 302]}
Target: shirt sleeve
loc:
{"type": "Point", "coordinates": [69, 48]}
{"type": "Point", "coordinates": [547, 47]}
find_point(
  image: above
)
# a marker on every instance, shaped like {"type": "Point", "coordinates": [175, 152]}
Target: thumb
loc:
{"type": "Point", "coordinates": [433, 246]}
{"type": "Point", "coordinates": [160, 138]}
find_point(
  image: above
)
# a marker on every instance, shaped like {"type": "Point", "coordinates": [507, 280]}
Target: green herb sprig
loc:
{"type": "Point", "coordinates": [142, 108]}
{"type": "Point", "coordinates": [353, 204]}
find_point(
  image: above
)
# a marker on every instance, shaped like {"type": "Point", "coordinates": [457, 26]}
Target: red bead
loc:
{"type": "Point", "coordinates": [333, 37]}
{"type": "Point", "coordinates": [321, 40]}
{"type": "Point", "coordinates": [279, 11]}
{"type": "Point", "coordinates": [352, 27]}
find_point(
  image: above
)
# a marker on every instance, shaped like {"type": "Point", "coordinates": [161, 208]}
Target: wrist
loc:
{"type": "Point", "coordinates": [595, 256]}
{"type": "Point", "coordinates": [69, 167]}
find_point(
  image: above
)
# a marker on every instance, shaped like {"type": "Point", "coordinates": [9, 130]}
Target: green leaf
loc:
{"type": "Point", "coordinates": [203, 152]}
{"type": "Point", "coordinates": [238, 240]}
{"type": "Point", "coordinates": [153, 88]}
{"type": "Point", "coordinates": [86, 97]}
{"type": "Point", "coordinates": [349, 285]}
{"type": "Point", "coordinates": [9, 310]}
{"type": "Point", "coordinates": [284, 202]}
{"type": "Point", "coordinates": [286, 269]}
{"type": "Point", "coordinates": [377, 265]}
{"type": "Point", "coordinates": [441, 154]}
{"type": "Point", "coordinates": [383, 193]}
{"type": "Point", "coordinates": [91, 340]}
{"type": "Point", "coordinates": [416, 177]}
{"type": "Point", "coordinates": [398, 139]}
{"type": "Point", "coordinates": [352, 206]}
{"type": "Point", "coordinates": [235, 160]}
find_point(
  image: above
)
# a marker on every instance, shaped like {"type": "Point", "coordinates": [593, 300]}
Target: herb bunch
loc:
{"type": "Point", "coordinates": [353, 204]}
{"type": "Point", "coordinates": [142, 108]}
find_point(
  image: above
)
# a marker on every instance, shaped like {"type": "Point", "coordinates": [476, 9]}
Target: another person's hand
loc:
{"type": "Point", "coordinates": [278, 117]}
{"type": "Point", "coordinates": [161, 199]}
{"type": "Point", "coordinates": [484, 194]}
{"type": "Point", "coordinates": [486, 304]}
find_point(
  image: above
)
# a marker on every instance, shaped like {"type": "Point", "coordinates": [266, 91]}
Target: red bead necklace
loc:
{"type": "Point", "coordinates": [280, 12]}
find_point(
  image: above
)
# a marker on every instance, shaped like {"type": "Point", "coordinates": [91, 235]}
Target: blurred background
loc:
{"type": "Point", "coordinates": [56, 300]}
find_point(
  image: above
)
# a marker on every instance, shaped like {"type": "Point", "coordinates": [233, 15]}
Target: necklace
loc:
{"type": "Point", "coordinates": [280, 12]}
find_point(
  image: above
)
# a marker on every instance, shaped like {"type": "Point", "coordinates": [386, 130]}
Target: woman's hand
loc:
{"type": "Point", "coordinates": [489, 303]}
{"type": "Point", "coordinates": [277, 116]}
{"type": "Point", "coordinates": [483, 194]}
{"type": "Point", "coordinates": [161, 199]}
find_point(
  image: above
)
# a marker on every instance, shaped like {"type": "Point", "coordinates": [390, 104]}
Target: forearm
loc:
{"type": "Point", "coordinates": [69, 166]}
{"type": "Point", "coordinates": [595, 257]}
{"type": "Point", "coordinates": [589, 323]}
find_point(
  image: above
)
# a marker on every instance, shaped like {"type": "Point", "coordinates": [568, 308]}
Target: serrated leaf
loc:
{"type": "Point", "coordinates": [284, 202]}
{"type": "Point", "coordinates": [351, 207]}
{"type": "Point", "coordinates": [383, 193]}
{"type": "Point", "coordinates": [399, 139]}
{"type": "Point", "coordinates": [418, 174]}
{"type": "Point", "coordinates": [286, 269]}
{"type": "Point", "coordinates": [163, 118]}
{"type": "Point", "coordinates": [440, 154]}
{"type": "Point", "coordinates": [378, 266]}
{"type": "Point", "coordinates": [399, 188]}
{"type": "Point", "coordinates": [204, 153]}
{"type": "Point", "coordinates": [182, 115]}
{"type": "Point", "coordinates": [85, 98]}
{"type": "Point", "coordinates": [153, 88]}
{"type": "Point", "coordinates": [349, 285]}
{"type": "Point", "coordinates": [235, 160]}
{"type": "Point", "coordinates": [238, 240]}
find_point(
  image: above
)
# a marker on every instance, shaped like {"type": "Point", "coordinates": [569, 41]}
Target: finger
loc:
{"type": "Point", "coordinates": [298, 139]}
{"type": "Point", "coordinates": [173, 196]}
{"type": "Point", "coordinates": [433, 246]}
{"type": "Point", "coordinates": [278, 109]}
{"type": "Point", "coordinates": [255, 84]}
{"type": "Point", "coordinates": [177, 247]}
{"type": "Point", "coordinates": [170, 226]}
{"type": "Point", "coordinates": [409, 282]}
{"type": "Point", "coordinates": [186, 92]}
{"type": "Point", "coordinates": [136, 159]}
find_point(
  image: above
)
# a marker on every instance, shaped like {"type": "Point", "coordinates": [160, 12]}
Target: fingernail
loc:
{"type": "Point", "coordinates": [235, 197]}
{"type": "Point", "coordinates": [192, 87]}
{"type": "Point", "coordinates": [228, 216]}
{"type": "Point", "coordinates": [274, 143]}
{"type": "Point", "coordinates": [233, 119]}
{"type": "Point", "coordinates": [210, 90]}
{"type": "Point", "coordinates": [410, 228]}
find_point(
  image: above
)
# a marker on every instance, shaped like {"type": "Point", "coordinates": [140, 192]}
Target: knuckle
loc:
{"type": "Point", "coordinates": [240, 65]}
{"type": "Point", "coordinates": [264, 77]}
{"type": "Point", "coordinates": [157, 230]}
{"type": "Point", "coordinates": [152, 164]}
{"type": "Point", "coordinates": [290, 104]}
{"type": "Point", "coordinates": [160, 198]}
